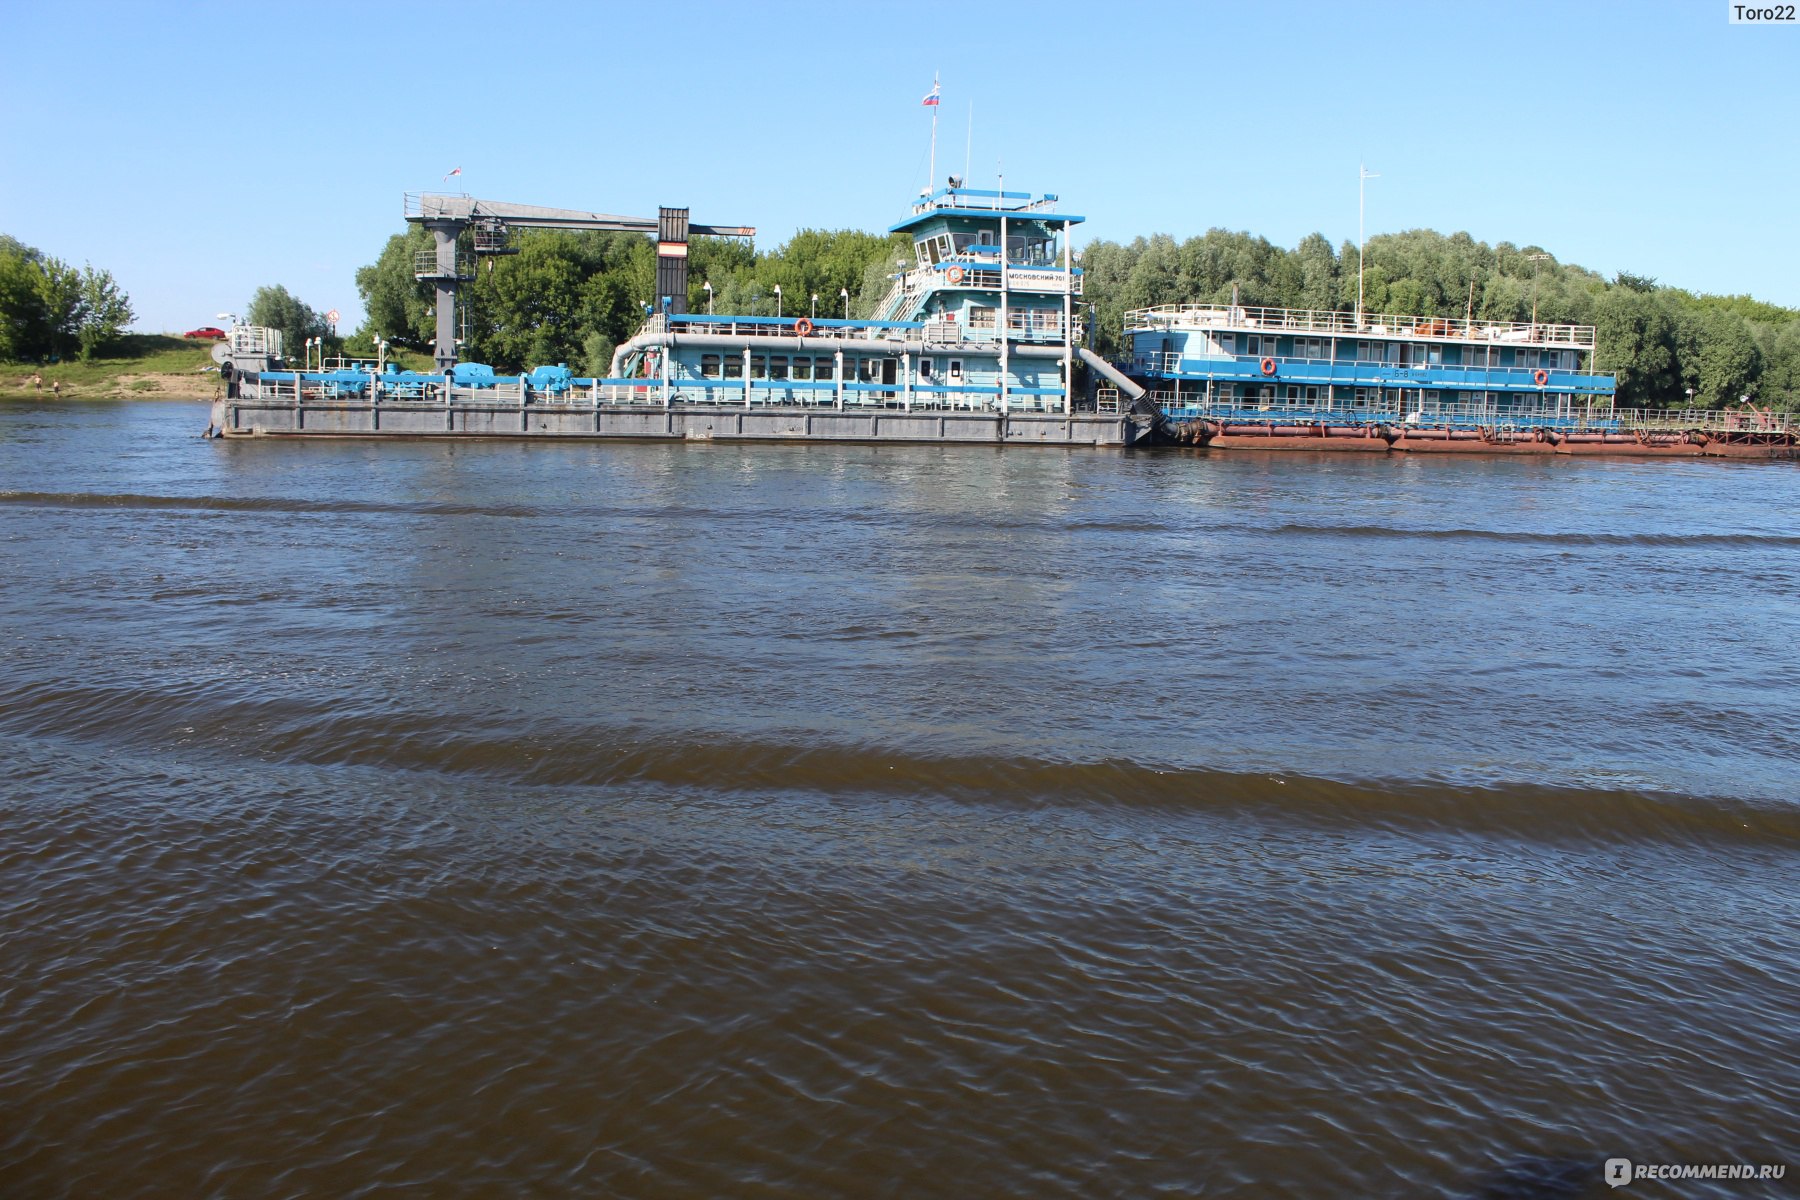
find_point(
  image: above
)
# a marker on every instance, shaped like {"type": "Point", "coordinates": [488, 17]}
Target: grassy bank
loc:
{"type": "Point", "coordinates": [144, 365]}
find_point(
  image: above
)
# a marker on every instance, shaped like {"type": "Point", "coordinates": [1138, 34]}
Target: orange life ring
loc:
{"type": "Point", "coordinates": [1268, 366]}
{"type": "Point", "coordinates": [1540, 376]}
{"type": "Point", "coordinates": [954, 274]}
{"type": "Point", "coordinates": [802, 327]}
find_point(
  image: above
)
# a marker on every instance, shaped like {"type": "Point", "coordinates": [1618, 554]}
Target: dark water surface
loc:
{"type": "Point", "coordinates": [647, 820]}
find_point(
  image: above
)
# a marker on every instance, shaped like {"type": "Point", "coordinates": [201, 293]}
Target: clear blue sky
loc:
{"type": "Point", "coordinates": [200, 150]}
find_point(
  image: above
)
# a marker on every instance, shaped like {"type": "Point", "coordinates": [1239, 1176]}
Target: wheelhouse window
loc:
{"type": "Point", "coordinates": [759, 366]}
{"type": "Point", "coordinates": [981, 318]}
{"type": "Point", "coordinates": [803, 368]}
{"type": "Point", "coordinates": [1030, 251]}
{"type": "Point", "coordinates": [778, 366]}
{"type": "Point", "coordinates": [734, 367]}
{"type": "Point", "coordinates": [709, 366]}
{"type": "Point", "coordinates": [825, 368]}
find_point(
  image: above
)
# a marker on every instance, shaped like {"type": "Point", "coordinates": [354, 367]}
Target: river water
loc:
{"type": "Point", "coordinates": [808, 820]}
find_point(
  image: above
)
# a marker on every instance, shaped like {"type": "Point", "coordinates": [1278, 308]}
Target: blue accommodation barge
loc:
{"type": "Point", "coordinates": [1222, 373]}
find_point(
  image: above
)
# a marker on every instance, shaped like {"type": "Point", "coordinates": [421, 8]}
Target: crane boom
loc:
{"type": "Point", "coordinates": [448, 215]}
{"type": "Point", "coordinates": [532, 216]}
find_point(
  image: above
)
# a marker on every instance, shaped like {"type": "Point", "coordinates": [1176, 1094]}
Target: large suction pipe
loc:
{"type": "Point", "coordinates": [1107, 370]}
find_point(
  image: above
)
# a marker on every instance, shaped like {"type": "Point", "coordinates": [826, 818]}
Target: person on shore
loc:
{"type": "Point", "coordinates": [56, 388]}
{"type": "Point", "coordinates": [37, 382]}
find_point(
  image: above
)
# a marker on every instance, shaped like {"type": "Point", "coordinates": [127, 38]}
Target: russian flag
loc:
{"type": "Point", "coordinates": [931, 97]}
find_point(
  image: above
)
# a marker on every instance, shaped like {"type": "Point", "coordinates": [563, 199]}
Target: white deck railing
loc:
{"type": "Point", "coordinates": [1253, 319]}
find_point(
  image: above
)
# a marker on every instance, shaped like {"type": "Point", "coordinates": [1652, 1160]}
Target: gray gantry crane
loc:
{"type": "Point", "coordinates": [492, 221]}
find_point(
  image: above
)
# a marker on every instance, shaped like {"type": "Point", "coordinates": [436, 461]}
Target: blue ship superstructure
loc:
{"type": "Point", "coordinates": [981, 319]}
{"type": "Point", "coordinates": [1238, 363]}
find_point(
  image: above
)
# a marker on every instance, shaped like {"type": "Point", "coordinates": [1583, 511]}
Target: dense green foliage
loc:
{"type": "Point", "coordinates": [571, 297]}
{"type": "Point", "coordinates": [1660, 342]}
{"type": "Point", "coordinates": [277, 308]}
{"type": "Point", "coordinates": [50, 310]}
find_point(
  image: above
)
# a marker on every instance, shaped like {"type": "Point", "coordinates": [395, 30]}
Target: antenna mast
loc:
{"type": "Point", "coordinates": [931, 177]}
{"type": "Point", "coordinates": [1365, 175]}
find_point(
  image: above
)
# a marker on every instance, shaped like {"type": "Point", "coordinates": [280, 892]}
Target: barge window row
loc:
{"type": "Point", "coordinates": [784, 366]}
{"type": "Point", "coordinates": [1294, 395]}
{"type": "Point", "coordinates": [769, 366]}
{"type": "Point", "coordinates": [1395, 353]}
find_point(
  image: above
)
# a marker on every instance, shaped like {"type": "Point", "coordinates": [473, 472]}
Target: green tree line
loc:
{"type": "Point", "coordinates": [572, 297]}
{"type": "Point", "coordinates": [52, 310]}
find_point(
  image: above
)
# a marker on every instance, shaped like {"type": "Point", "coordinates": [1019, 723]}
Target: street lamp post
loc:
{"type": "Point", "coordinates": [1363, 177]}
{"type": "Point", "coordinates": [845, 293]}
{"type": "Point", "coordinates": [1535, 260]}
{"type": "Point", "coordinates": [815, 312]}
{"type": "Point", "coordinates": [709, 296]}
{"type": "Point", "coordinates": [778, 300]}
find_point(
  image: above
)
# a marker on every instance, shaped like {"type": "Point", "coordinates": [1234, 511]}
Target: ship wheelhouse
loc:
{"type": "Point", "coordinates": [981, 318]}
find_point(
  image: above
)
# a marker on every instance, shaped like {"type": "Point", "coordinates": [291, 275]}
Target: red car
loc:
{"type": "Point", "coordinates": [210, 332]}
